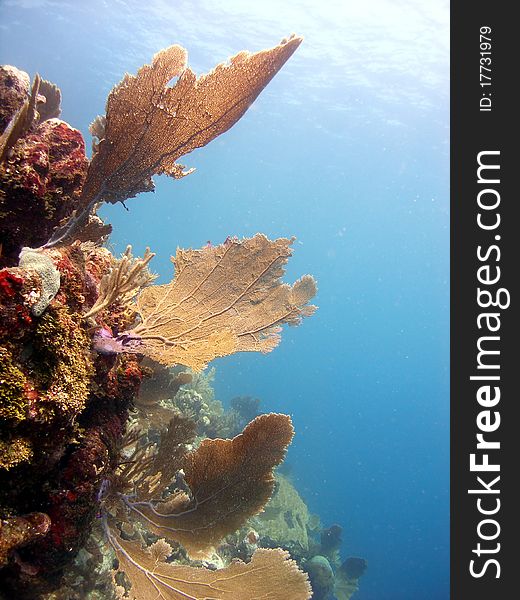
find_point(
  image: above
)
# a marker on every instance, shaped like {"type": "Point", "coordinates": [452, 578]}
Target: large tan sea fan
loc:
{"type": "Point", "coordinates": [150, 124]}
{"type": "Point", "coordinates": [223, 299]}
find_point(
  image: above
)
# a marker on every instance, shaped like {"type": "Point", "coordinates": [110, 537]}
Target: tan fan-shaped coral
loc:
{"type": "Point", "coordinates": [223, 299]}
{"type": "Point", "coordinates": [225, 482]}
{"type": "Point", "coordinates": [270, 574]}
{"type": "Point", "coordinates": [150, 124]}
{"type": "Point", "coordinates": [49, 102]}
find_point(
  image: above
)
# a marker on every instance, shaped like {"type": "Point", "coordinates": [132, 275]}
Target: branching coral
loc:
{"type": "Point", "coordinates": [126, 278]}
{"type": "Point", "coordinates": [223, 299]}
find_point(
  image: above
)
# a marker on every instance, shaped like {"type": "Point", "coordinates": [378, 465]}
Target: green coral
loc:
{"type": "Point", "coordinates": [65, 366]}
{"type": "Point", "coordinates": [14, 451]}
{"type": "Point", "coordinates": [13, 403]}
{"type": "Point", "coordinates": [286, 518]}
{"type": "Point", "coordinates": [321, 576]}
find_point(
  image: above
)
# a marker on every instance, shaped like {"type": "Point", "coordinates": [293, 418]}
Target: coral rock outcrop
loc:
{"type": "Point", "coordinates": [40, 184]}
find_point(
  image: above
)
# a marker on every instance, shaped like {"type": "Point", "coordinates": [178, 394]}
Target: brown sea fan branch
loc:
{"type": "Point", "coordinates": [149, 124]}
{"type": "Point", "coordinates": [223, 299]}
{"type": "Point", "coordinates": [270, 574]}
{"type": "Point", "coordinates": [227, 482]}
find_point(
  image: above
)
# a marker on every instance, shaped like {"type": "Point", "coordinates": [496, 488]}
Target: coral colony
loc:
{"type": "Point", "coordinates": [121, 475]}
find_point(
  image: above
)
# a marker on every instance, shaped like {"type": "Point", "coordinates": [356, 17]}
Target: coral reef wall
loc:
{"type": "Point", "coordinates": [88, 468]}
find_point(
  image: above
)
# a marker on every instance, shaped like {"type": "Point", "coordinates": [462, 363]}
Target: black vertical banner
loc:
{"type": "Point", "coordinates": [485, 256]}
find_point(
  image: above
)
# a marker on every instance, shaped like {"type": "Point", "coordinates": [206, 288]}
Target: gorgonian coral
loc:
{"type": "Point", "coordinates": [123, 281]}
{"type": "Point", "coordinates": [270, 574]}
{"type": "Point", "coordinates": [216, 488]}
{"type": "Point", "coordinates": [227, 481]}
{"type": "Point", "coordinates": [149, 124]}
{"type": "Point", "coordinates": [223, 299]}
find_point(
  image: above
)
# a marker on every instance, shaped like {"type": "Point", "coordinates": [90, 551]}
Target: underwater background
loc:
{"type": "Point", "coordinates": [348, 150]}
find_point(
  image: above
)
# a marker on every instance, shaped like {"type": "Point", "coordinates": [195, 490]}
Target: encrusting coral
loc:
{"type": "Point", "coordinates": [19, 531]}
{"type": "Point", "coordinates": [42, 164]}
{"type": "Point", "coordinates": [79, 329]}
{"type": "Point", "coordinates": [48, 273]}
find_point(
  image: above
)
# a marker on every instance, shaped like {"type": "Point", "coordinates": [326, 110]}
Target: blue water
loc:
{"type": "Point", "coordinates": [347, 149]}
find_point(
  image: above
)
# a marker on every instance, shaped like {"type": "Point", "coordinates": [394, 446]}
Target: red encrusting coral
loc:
{"type": "Point", "coordinates": [72, 503]}
{"type": "Point", "coordinates": [45, 172]}
{"type": "Point", "coordinates": [63, 410]}
{"type": "Point", "coordinates": [10, 283]}
{"type": "Point", "coordinates": [17, 288]}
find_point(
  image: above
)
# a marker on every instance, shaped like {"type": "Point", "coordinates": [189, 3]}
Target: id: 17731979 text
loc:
{"type": "Point", "coordinates": [485, 69]}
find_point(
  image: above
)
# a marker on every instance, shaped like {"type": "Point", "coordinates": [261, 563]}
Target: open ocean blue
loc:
{"type": "Point", "coordinates": [348, 150]}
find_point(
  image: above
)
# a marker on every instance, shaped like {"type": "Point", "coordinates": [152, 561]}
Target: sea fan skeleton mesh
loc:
{"type": "Point", "coordinates": [227, 482]}
{"type": "Point", "coordinates": [149, 125]}
{"type": "Point", "coordinates": [270, 574]}
{"type": "Point", "coordinates": [223, 299]}
{"type": "Point", "coordinates": [226, 298]}
{"type": "Point", "coordinates": [222, 483]}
